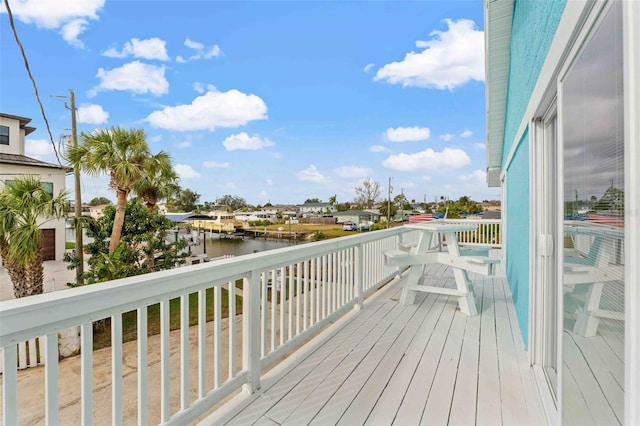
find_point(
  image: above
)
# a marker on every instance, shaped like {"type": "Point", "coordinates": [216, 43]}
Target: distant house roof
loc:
{"type": "Point", "coordinates": [23, 160]}
{"type": "Point", "coordinates": [359, 213]}
{"type": "Point", "coordinates": [314, 205]}
{"type": "Point", "coordinates": [23, 122]}
{"type": "Point", "coordinates": [181, 217]}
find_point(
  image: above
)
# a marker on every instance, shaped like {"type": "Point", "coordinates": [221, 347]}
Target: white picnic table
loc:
{"type": "Point", "coordinates": [598, 268]}
{"type": "Point", "coordinates": [427, 251]}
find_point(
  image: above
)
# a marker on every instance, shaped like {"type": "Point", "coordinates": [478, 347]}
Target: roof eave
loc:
{"type": "Point", "coordinates": [498, 16]}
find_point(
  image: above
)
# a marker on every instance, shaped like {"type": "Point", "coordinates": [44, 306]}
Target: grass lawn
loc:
{"type": "Point", "coordinates": [102, 335]}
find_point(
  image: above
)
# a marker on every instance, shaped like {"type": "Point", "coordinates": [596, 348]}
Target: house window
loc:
{"type": "Point", "coordinates": [47, 186]}
{"type": "Point", "coordinates": [4, 135]}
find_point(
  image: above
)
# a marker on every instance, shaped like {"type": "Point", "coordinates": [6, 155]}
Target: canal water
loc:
{"type": "Point", "coordinates": [217, 247]}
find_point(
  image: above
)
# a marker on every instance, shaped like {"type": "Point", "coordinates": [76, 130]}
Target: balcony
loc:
{"type": "Point", "coordinates": [317, 336]}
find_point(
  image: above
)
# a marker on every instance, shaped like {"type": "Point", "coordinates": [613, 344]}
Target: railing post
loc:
{"type": "Point", "coordinates": [251, 331]}
{"type": "Point", "coordinates": [359, 272]}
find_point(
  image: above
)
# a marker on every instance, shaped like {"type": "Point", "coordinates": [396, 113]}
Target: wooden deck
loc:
{"type": "Point", "coordinates": [425, 363]}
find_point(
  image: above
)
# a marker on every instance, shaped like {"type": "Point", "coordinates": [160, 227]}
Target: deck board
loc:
{"type": "Point", "coordinates": [426, 363]}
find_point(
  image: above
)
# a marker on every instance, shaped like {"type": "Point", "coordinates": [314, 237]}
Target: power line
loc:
{"type": "Point", "coordinates": [35, 87]}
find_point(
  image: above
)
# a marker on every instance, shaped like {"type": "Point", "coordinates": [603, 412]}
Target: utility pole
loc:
{"type": "Point", "coordinates": [78, 201]}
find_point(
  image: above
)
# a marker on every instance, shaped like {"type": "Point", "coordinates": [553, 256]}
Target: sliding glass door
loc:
{"type": "Point", "coordinates": [591, 256]}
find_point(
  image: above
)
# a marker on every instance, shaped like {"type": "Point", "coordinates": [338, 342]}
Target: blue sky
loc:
{"type": "Point", "coordinates": [270, 101]}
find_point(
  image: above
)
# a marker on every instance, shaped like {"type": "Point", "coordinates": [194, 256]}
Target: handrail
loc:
{"type": "Point", "coordinates": [288, 294]}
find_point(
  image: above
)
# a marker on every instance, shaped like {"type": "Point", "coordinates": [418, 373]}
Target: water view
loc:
{"type": "Point", "coordinates": [216, 247]}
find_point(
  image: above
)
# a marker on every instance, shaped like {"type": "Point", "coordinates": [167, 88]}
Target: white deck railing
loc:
{"type": "Point", "coordinates": [287, 296]}
{"type": "Point", "coordinates": [487, 233]}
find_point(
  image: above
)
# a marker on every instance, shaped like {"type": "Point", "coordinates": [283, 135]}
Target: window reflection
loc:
{"type": "Point", "coordinates": [593, 271]}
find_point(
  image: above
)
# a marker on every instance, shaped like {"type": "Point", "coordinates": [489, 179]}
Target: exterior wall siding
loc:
{"type": "Point", "coordinates": [16, 135]}
{"type": "Point", "coordinates": [534, 25]}
{"type": "Point", "coordinates": [517, 233]}
{"type": "Point", "coordinates": [55, 176]}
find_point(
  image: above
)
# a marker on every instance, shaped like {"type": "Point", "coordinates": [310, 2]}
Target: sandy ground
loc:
{"type": "Point", "coordinates": [31, 381]}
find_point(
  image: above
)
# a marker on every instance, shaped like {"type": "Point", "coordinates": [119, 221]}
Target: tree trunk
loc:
{"type": "Point", "coordinates": [150, 203]}
{"type": "Point", "coordinates": [16, 273]}
{"type": "Point", "coordinates": [27, 281]}
{"type": "Point", "coordinates": [118, 220]}
{"type": "Point", "coordinates": [35, 275]}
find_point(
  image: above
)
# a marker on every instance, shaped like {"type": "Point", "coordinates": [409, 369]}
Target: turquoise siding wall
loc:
{"type": "Point", "coordinates": [517, 230]}
{"type": "Point", "coordinates": [534, 26]}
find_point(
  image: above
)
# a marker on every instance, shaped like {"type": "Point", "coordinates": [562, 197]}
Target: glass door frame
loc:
{"type": "Point", "coordinates": [545, 329]}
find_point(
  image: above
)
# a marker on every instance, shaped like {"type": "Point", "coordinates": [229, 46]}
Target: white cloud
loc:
{"type": "Point", "coordinates": [264, 195]}
{"type": "Point", "coordinates": [353, 171]}
{"type": "Point", "coordinates": [202, 52]}
{"type": "Point", "coordinates": [475, 176]}
{"type": "Point", "coordinates": [201, 87]}
{"type": "Point", "coordinates": [92, 114]}
{"type": "Point", "coordinates": [450, 59]}
{"type": "Point", "coordinates": [156, 138]}
{"type": "Point", "coordinates": [428, 159]}
{"type": "Point", "coordinates": [446, 137]}
{"type": "Point", "coordinates": [135, 76]}
{"type": "Point", "coordinates": [407, 184]}
{"type": "Point", "coordinates": [184, 144]}
{"type": "Point", "coordinates": [151, 48]}
{"type": "Point", "coordinates": [185, 171]}
{"type": "Point", "coordinates": [378, 148]}
{"type": "Point", "coordinates": [408, 134]}
{"type": "Point", "coordinates": [215, 165]}
{"type": "Point", "coordinates": [72, 29]}
{"type": "Point", "coordinates": [69, 17]}
{"type": "Point", "coordinates": [479, 145]}
{"type": "Point", "coordinates": [311, 174]}
{"type": "Point", "coordinates": [368, 67]}
{"type": "Point", "coordinates": [213, 52]}
{"type": "Point", "coordinates": [466, 134]}
{"type": "Point", "coordinates": [211, 110]}
{"type": "Point", "coordinates": [242, 141]}
{"type": "Point", "coordinates": [37, 148]}
{"type": "Point", "coordinates": [193, 44]}
{"type": "Point", "coordinates": [180, 59]}
{"type": "Point", "coordinates": [269, 182]}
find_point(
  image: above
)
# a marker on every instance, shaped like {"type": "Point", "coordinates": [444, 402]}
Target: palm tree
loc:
{"type": "Point", "coordinates": [25, 206]}
{"type": "Point", "coordinates": [122, 154]}
{"type": "Point", "coordinates": [159, 182]}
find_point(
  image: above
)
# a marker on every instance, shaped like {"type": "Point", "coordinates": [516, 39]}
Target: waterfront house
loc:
{"type": "Point", "coordinates": [563, 101]}
{"type": "Point", "coordinates": [356, 216]}
{"type": "Point", "coordinates": [314, 209]}
{"type": "Point", "coordinates": [14, 163]}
